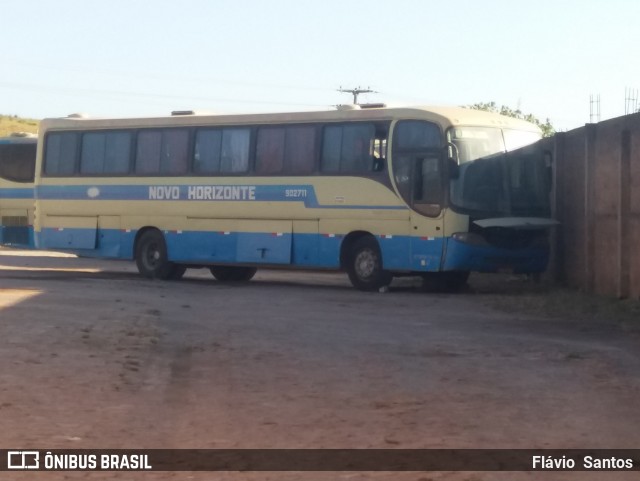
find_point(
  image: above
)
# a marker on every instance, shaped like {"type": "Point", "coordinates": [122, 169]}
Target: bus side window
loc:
{"type": "Point", "coordinates": [270, 148]}
{"type": "Point", "coordinates": [348, 148]}
{"type": "Point", "coordinates": [175, 148]}
{"type": "Point", "coordinates": [105, 153]}
{"type": "Point", "coordinates": [331, 148]}
{"type": "Point", "coordinates": [148, 152]}
{"type": "Point", "coordinates": [417, 165]}
{"type": "Point", "coordinates": [286, 150]}
{"type": "Point", "coordinates": [300, 149]}
{"type": "Point", "coordinates": [417, 135]}
{"type": "Point", "coordinates": [428, 181]}
{"type": "Point", "coordinates": [60, 153]}
{"type": "Point", "coordinates": [162, 152]}
{"type": "Point", "coordinates": [207, 151]}
{"type": "Point", "coordinates": [357, 148]}
{"type": "Point", "coordinates": [422, 185]}
{"type": "Point", "coordinates": [234, 156]}
{"type": "Point", "coordinates": [402, 175]}
{"type": "Point", "coordinates": [380, 148]}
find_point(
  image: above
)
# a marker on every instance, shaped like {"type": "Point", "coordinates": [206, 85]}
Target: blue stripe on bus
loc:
{"type": "Point", "coordinates": [399, 253]}
{"type": "Point", "coordinates": [310, 250]}
{"type": "Point", "coordinates": [197, 193]}
{"type": "Point", "coordinates": [193, 247]}
{"type": "Point", "coordinates": [16, 193]}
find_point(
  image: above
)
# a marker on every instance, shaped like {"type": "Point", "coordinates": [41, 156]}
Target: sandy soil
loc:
{"type": "Point", "coordinates": [95, 357]}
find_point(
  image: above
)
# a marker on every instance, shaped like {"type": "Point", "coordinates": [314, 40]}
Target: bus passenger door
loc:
{"type": "Point", "coordinates": [419, 179]}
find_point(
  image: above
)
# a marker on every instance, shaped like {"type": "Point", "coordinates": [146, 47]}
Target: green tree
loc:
{"type": "Point", "coordinates": [547, 129]}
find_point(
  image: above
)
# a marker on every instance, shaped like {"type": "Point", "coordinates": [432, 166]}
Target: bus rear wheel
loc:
{"type": "Point", "coordinates": [365, 266]}
{"type": "Point", "coordinates": [233, 273]}
{"type": "Point", "coordinates": [152, 259]}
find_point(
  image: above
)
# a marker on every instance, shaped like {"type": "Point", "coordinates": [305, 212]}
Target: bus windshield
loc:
{"type": "Point", "coordinates": [476, 142]}
{"type": "Point", "coordinates": [495, 178]}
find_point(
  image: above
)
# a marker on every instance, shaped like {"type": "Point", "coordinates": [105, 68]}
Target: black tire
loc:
{"type": "Point", "coordinates": [152, 260]}
{"type": "Point", "coordinates": [364, 266]}
{"type": "Point", "coordinates": [233, 273]}
{"type": "Point", "coordinates": [177, 272]}
{"type": "Point", "coordinates": [453, 281]}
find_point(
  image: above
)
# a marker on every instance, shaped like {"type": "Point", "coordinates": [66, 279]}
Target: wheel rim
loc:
{"type": "Point", "coordinates": [152, 257]}
{"type": "Point", "coordinates": [366, 264]}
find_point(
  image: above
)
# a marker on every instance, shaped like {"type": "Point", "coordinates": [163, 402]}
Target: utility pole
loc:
{"type": "Point", "coordinates": [594, 108]}
{"type": "Point", "coordinates": [356, 91]}
{"type": "Point", "coordinates": [630, 101]}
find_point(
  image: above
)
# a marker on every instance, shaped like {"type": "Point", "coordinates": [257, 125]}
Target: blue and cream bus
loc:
{"type": "Point", "coordinates": [17, 166]}
{"type": "Point", "coordinates": [377, 192]}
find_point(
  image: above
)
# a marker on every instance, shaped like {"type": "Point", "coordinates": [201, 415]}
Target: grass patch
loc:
{"type": "Point", "coordinates": [546, 299]}
{"type": "Point", "coordinates": [13, 123]}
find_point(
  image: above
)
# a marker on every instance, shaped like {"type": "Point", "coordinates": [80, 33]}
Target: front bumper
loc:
{"type": "Point", "coordinates": [461, 256]}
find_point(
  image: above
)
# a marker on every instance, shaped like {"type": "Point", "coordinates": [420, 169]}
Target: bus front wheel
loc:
{"type": "Point", "coordinates": [152, 259]}
{"type": "Point", "coordinates": [365, 266]}
{"type": "Point", "coordinates": [233, 273]}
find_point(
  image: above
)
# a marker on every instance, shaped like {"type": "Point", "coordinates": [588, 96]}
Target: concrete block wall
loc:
{"type": "Point", "coordinates": [596, 198]}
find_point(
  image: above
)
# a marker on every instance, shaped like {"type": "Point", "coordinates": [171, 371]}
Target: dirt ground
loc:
{"type": "Point", "coordinates": [93, 356]}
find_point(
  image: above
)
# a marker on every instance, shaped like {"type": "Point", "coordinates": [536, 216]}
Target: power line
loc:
{"type": "Point", "coordinates": [121, 93]}
{"type": "Point", "coordinates": [161, 76]}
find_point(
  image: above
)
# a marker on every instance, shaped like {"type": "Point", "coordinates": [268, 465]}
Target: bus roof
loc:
{"type": "Point", "coordinates": [448, 116]}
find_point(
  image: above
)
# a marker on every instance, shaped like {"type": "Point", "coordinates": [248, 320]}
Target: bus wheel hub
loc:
{"type": "Point", "coordinates": [365, 264]}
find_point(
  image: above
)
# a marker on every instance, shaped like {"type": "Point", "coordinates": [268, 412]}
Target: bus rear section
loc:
{"type": "Point", "coordinates": [17, 166]}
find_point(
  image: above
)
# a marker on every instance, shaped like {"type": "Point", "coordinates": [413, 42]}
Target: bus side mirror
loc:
{"type": "Point", "coordinates": [453, 160]}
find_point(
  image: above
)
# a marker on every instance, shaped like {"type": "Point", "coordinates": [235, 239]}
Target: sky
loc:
{"type": "Point", "coordinates": [128, 58]}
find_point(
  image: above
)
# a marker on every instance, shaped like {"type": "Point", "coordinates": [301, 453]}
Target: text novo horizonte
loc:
{"type": "Point", "coordinates": [202, 192]}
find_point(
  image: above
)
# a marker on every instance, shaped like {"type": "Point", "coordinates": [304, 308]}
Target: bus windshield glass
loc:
{"type": "Point", "coordinates": [476, 142]}
{"type": "Point", "coordinates": [495, 178]}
